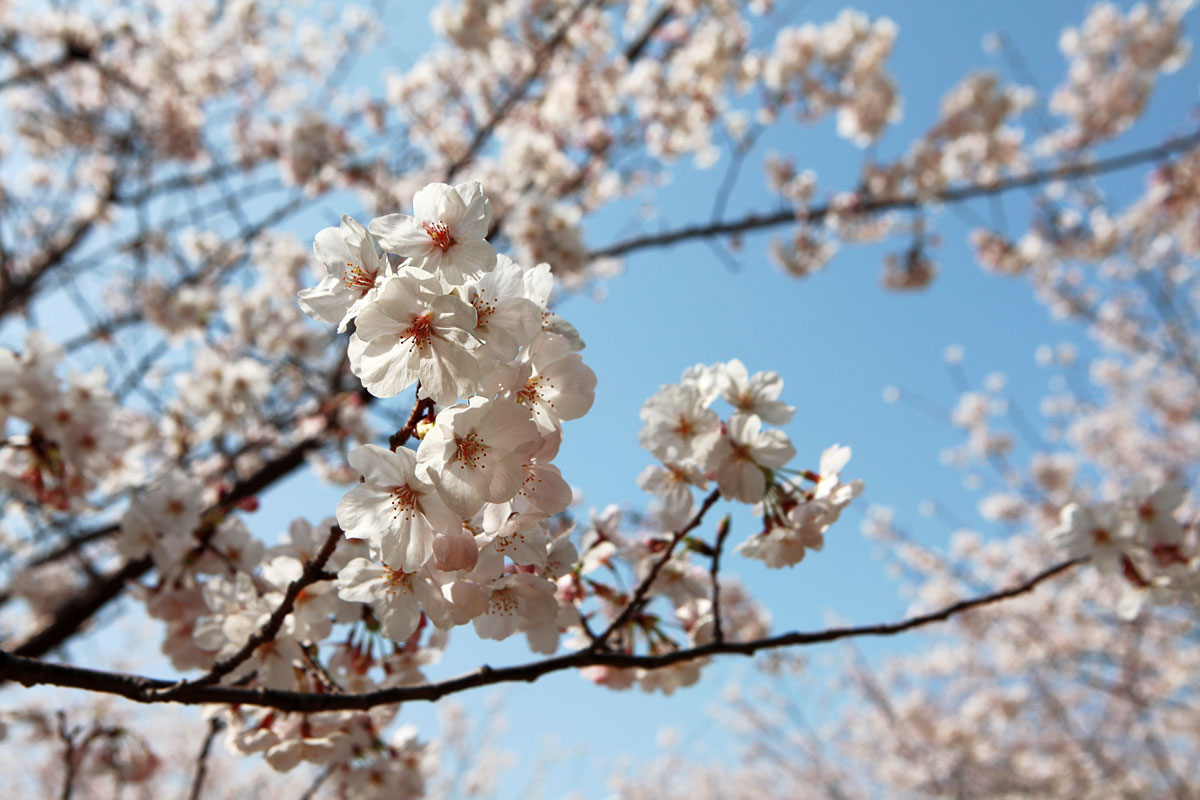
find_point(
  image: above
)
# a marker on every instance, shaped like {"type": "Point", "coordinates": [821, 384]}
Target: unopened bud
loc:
{"type": "Point", "coordinates": [455, 551]}
{"type": "Point", "coordinates": [423, 427]}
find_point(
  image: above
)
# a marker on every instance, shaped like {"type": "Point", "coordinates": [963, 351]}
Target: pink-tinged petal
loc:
{"type": "Point", "coordinates": [402, 235]}
{"type": "Point", "coordinates": [460, 492]}
{"type": "Point", "coordinates": [440, 517]}
{"type": "Point", "coordinates": [379, 321]}
{"type": "Point", "coordinates": [382, 371]}
{"type": "Point", "coordinates": [508, 425]}
{"type": "Point", "coordinates": [381, 466]}
{"type": "Point", "coordinates": [468, 257]}
{"type": "Point", "coordinates": [398, 617]}
{"type": "Point", "coordinates": [742, 481]}
{"type": "Point", "coordinates": [447, 371]}
{"type": "Point", "coordinates": [477, 211]}
{"type": "Point", "coordinates": [327, 301]}
{"type": "Point", "coordinates": [438, 202]}
{"type": "Point", "coordinates": [449, 315]}
{"type": "Point", "coordinates": [361, 581]}
{"type": "Point", "coordinates": [358, 241]}
{"type": "Point", "coordinates": [545, 489]}
{"type": "Point", "coordinates": [505, 480]}
{"type": "Point", "coordinates": [773, 449]}
{"type": "Point", "coordinates": [330, 249]}
{"type": "Point", "coordinates": [364, 512]}
{"type": "Point", "coordinates": [535, 597]}
{"type": "Point", "coordinates": [521, 317]}
{"type": "Point", "coordinates": [574, 387]}
{"type": "Point", "coordinates": [408, 544]}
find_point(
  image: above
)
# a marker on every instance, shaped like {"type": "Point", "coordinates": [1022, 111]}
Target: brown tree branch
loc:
{"type": "Point", "coordinates": [869, 205]}
{"type": "Point", "coordinates": [714, 574]}
{"type": "Point", "coordinates": [30, 671]}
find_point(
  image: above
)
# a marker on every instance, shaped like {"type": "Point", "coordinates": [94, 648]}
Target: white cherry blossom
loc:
{"type": "Point", "coordinates": [447, 233]}
{"type": "Point", "coordinates": [412, 331]}
{"type": "Point", "coordinates": [470, 455]}
{"type": "Point", "coordinates": [394, 510]}
{"type": "Point", "coordinates": [354, 269]}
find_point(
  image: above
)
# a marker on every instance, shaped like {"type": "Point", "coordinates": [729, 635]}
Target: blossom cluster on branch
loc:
{"type": "Point", "coordinates": [157, 159]}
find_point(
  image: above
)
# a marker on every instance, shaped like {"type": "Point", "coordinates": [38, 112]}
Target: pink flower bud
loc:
{"type": "Point", "coordinates": [455, 551]}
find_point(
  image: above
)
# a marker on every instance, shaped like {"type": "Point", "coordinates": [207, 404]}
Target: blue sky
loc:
{"type": "Point", "coordinates": [837, 339]}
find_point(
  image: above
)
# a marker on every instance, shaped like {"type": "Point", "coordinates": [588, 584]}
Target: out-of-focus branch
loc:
{"type": "Point", "coordinates": [214, 727]}
{"type": "Point", "coordinates": [29, 671]}
{"type": "Point", "coordinates": [877, 205]}
{"type": "Point", "coordinates": [518, 92]}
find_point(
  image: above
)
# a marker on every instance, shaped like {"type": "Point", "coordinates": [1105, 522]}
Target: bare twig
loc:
{"type": "Point", "coordinates": [867, 206]}
{"type": "Point", "coordinates": [30, 671]}
{"type": "Point", "coordinates": [214, 727]}
{"type": "Point", "coordinates": [313, 572]}
{"type": "Point", "coordinates": [714, 571]}
{"type": "Point", "coordinates": [639, 594]}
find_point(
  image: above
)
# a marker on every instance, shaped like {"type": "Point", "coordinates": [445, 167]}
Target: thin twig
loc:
{"type": "Point", "coordinates": [722, 532]}
{"type": "Point", "coordinates": [214, 727]}
{"type": "Point", "coordinates": [31, 671]}
{"type": "Point", "coordinates": [869, 205]}
{"type": "Point", "coordinates": [639, 594]}
{"type": "Point", "coordinates": [313, 571]}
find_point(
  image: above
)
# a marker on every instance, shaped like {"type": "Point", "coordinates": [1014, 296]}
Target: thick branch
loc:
{"type": "Point", "coordinates": [868, 206]}
{"type": "Point", "coordinates": [29, 671]}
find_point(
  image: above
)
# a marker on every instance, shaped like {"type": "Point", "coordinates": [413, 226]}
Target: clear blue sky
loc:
{"type": "Point", "coordinates": [837, 339]}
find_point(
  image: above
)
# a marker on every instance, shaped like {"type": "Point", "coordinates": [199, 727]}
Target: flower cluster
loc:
{"type": "Point", "coordinates": [1140, 537]}
{"type": "Point", "coordinates": [744, 458]}
{"type": "Point", "coordinates": [433, 305]}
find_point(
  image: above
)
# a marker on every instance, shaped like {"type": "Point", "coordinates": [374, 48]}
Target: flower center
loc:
{"type": "Point", "coordinates": [404, 500]}
{"type": "Point", "coordinates": [356, 278]}
{"type": "Point", "coordinates": [398, 582]}
{"type": "Point", "coordinates": [483, 309]}
{"type": "Point", "coordinates": [469, 451]}
{"type": "Point", "coordinates": [440, 234]}
{"type": "Point", "coordinates": [531, 392]}
{"type": "Point", "coordinates": [420, 330]}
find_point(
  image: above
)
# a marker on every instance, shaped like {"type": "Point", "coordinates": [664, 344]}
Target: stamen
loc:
{"type": "Point", "coordinates": [440, 234]}
{"type": "Point", "coordinates": [357, 278]}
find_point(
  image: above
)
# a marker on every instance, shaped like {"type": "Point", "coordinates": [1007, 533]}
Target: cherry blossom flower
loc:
{"type": "Point", "coordinates": [354, 269]}
{"type": "Point", "coordinates": [470, 455]}
{"type": "Point", "coordinates": [515, 602]}
{"type": "Point", "coordinates": [1096, 531]}
{"type": "Point", "coordinates": [742, 458]}
{"type": "Point", "coordinates": [410, 332]}
{"type": "Point", "coordinates": [447, 233]}
{"type": "Point", "coordinates": [397, 597]}
{"type": "Point", "coordinates": [755, 395]}
{"type": "Point", "coordinates": [393, 509]}
{"type": "Point", "coordinates": [551, 381]}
